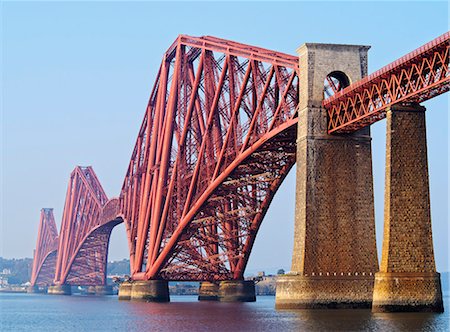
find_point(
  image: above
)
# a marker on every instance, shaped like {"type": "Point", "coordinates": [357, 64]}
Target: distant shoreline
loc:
{"type": "Point", "coordinates": [13, 290]}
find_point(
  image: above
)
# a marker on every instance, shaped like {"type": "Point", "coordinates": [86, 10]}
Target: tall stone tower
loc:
{"type": "Point", "coordinates": [407, 280]}
{"type": "Point", "coordinates": [335, 257]}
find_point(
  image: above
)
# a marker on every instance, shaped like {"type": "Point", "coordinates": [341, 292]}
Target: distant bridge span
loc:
{"type": "Point", "coordinates": [44, 258]}
{"type": "Point", "coordinates": [87, 222]}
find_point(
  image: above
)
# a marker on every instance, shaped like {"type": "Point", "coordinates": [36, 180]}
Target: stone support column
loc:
{"type": "Point", "coordinates": [125, 291]}
{"type": "Point", "coordinates": [33, 289]}
{"type": "Point", "coordinates": [334, 258]}
{"type": "Point", "coordinates": [60, 290]}
{"type": "Point", "coordinates": [407, 280]}
{"type": "Point", "coordinates": [208, 291]}
{"type": "Point", "coordinates": [150, 291]}
{"type": "Point", "coordinates": [104, 290]}
{"type": "Point", "coordinates": [237, 291]}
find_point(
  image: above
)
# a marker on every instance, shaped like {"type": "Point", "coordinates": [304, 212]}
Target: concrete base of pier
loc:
{"type": "Point", "coordinates": [36, 289]}
{"type": "Point", "coordinates": [324, 292]}
{"type": "Point", "coordinates": [60, 290]}
{"type": "Point", "coordinates": [104, 290]}
{"type": "Point", "coordinates": [237, 291]}
{"type": "Point", "coordinates": [407, 292]}
{"type": "Point", "coordinates": [125, 291]}
{"type": "Point", "coordinates": [90, 290]}
{"type": "Point", "coordinates": [208, 291]}
{"type": "Point", "coordinates": [150, 291]}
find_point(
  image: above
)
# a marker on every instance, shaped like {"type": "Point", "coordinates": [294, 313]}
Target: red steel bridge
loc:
{"type": "Point", "coordinates": [217, 140]}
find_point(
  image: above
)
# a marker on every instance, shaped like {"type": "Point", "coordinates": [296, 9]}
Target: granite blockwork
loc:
{"type": "Point", "coordinates": [237, 291]}
{"type": "Point", "coordinates": [60, 290]}
{"type": "Point", "coordinates": [334, 258]}
{"type": "Point", "coordinates": [103, 290]}
{"type": "Point", "coordinates": [324, 292]}
{"type": "Point", "coordinates": [150, 291]}
{"type": "Point", "coordinates": [407, 280]}
{"type": "Point", "coordinates": [125, 291]}
{"type": "Point", "coordinates": [208, 291]}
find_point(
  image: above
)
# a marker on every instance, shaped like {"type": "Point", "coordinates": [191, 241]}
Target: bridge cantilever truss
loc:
{"type": "Point", "coordinates": [87, 222]}
{"type": "Point", "coordinates": [217, 139]}
{"type": "Point", "coordinates": [44, 260]}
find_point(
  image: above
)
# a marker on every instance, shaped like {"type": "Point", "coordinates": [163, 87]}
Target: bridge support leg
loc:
{"type": "Point", "coordinates": [125, 291]}
{"type": "Point", "coordinates": [407, 280]}
{"type": "Point", "coordinates": [104, 290]}
{"type": "Point", "coordinates": [208, 291]}
{"type": "Point", "coordinates": [335, 256]}
{"type": "Point", "coordinates": [33, 289]}
{"type": "Point", "coordinates": [90, 290]}
{"type": "Point", "coordinates": [150, 291]}
{"type": "Point", "coordinates": [237, 291]}
{"type": "Point", "coordinates": [36, 289]}
{"type": "Point", "coordinates": [60, 290]}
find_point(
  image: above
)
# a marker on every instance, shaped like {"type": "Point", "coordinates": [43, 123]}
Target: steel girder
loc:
{"type": "Point", "coordinates": [416, 77]}
{"type": "Point", "coordinates": [217, 139]}
{"type": "Point", "coordinates": [44, 260]}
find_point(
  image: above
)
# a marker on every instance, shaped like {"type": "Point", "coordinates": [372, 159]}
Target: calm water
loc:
{"type": "Point", "coordinates": [32, 312]}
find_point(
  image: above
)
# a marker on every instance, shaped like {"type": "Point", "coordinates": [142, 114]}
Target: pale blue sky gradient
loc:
{"type": "Point", "coordinates": [76, 78]}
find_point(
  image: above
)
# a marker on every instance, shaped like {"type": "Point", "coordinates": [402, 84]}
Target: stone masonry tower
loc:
{"type": "Point", "coordinates": [407, 280]}
{"type": "Point", "coordinates": [335, 258]}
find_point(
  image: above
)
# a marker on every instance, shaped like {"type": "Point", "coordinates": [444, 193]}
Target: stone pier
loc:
{"type": "Point", "coordinates": [125, 291]}
{"type": "Point", "coordinates": [407, 280]}
{"type": "Point", "coordinates": [60, 290]}
{"type": "Point", "coordinates": [150, 291]}
{"type": "Point", "coordinates": [90, 290]}
{"type": "Point", "coordinates": [37, 289]}
{"type": "Point", "coordinates": [103, 290]}
{"type": "Point", "coordinates": [334, 259]}
{"type": "Point", "coordinates": [208, 291]}
{"type": "Point", "coordinates": [237, 291]}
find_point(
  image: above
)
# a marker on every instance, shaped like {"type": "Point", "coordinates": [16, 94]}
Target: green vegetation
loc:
{"type": "Point", "coordinates": [16, 271]}
{"type": "Point", "coordinates": [119, 267]}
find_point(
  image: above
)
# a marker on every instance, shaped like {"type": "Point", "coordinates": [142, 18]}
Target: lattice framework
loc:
{"type": "Point", "coordinates": [216, 141]}
{"type": "Point", "coordinates": [414, 78]}
{"type": "Point", "coordinates": [44, 260]}
{"type": "Point", "coordinates": [85, 201]}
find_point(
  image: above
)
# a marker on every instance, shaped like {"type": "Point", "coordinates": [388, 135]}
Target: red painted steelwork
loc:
{"type": "Point", "coordinates": [416, 77]}
{"type": "Point", "coordinates": [87, 222]}
{"type": "Point", "coordinates": [88, 266]}
{"type": "Point", "coordinates": [44, 259]}
{"type": "Point", "coordinates": [217, 139]}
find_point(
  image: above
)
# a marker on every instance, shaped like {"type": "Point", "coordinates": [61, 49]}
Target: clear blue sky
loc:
{"type": "Point", "coordinates": [76, 78]}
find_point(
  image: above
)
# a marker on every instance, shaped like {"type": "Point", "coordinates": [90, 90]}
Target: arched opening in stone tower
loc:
{"type": "Point", "coordinates": [334, 82]}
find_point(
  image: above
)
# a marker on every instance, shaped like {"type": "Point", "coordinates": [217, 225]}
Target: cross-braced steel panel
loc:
{"type": "Point", "coordinates": [217, 139]}
{"type": "Point", "coordinates": [416, 77]}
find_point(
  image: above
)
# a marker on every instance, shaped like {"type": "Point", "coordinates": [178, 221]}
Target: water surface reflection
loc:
{"type": "Point", "coordinates": [33, 312]}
